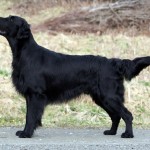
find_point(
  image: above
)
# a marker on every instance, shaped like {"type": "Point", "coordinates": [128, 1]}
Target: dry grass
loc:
{"type": "Point", "coordinates": [82, 112]}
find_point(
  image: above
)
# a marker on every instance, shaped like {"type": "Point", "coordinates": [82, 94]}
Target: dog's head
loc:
{"type": "Point", "coordinates": [15, 27]}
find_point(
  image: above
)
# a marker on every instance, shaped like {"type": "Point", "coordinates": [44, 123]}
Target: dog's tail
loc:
{"type": "Point", "coordinates": [131, 68]}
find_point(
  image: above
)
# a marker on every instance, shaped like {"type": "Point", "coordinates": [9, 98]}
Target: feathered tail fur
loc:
{"type": "Point", "coordinates": [131, 68]}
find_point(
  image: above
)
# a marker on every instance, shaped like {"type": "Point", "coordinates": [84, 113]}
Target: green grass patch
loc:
{"type": "Point", "coordinates": [4, 73]}
{"type": "Point", "coordinates": [145, 83]}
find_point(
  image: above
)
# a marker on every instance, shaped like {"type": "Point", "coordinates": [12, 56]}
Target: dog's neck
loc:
{"type": "Point", "coordinates": [17, 45]}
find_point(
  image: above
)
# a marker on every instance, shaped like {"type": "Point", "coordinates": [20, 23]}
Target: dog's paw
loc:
{"type": "Point", "coordinates": [18, 133]}
{"type": "Point", "coordinates": [22, 134]}
{"type": "Point", "coordinates": [127, 135]}
{"type": "Point", "coordinates": [109, 132]}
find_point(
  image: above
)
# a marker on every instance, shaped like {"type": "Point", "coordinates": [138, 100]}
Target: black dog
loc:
{"type": "Point", "coordinates": [44, 77]}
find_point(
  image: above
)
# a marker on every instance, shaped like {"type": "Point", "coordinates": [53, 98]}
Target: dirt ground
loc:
{"type": "Point", "coordinates": [131, 16]}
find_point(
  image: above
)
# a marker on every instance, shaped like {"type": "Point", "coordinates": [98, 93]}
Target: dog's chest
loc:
{"type": "Point", "coordinates": [18, 81]}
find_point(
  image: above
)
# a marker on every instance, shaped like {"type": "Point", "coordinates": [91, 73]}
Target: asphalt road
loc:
{"type": "Point", "coordinates": [73, 139]}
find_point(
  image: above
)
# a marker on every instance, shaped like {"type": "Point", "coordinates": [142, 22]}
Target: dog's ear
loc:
{"type": "Point", "coordinates": [24, 31]}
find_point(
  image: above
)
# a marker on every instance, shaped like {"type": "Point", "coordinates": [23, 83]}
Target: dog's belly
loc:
{"type": "Point", "coordinates": [59, 96]}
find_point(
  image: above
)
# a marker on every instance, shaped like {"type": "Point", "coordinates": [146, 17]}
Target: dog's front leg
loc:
{"type": "Point", "coordinates": [35, 108]}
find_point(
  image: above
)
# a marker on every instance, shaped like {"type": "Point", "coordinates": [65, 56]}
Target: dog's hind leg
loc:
{"type": "Point", "coordinates": [115, 122]}
{"type": "Point", "coordinates": [114, 117]}
{"type": "Point", "coordinates": [119, 109]}
{"type": "Point", "coordinates": [116, 110]}
{"type": "Point", "coordinates": [127, 117]}
{"type": "Point", "coordinates": [35, 108]}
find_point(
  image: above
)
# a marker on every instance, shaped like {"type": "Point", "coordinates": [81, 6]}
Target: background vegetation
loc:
{"type": "Point", "coordinates": [114, 42]}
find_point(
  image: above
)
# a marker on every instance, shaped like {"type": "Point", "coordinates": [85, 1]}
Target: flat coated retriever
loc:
{"type": "Point", "coordinates": [45, 77]}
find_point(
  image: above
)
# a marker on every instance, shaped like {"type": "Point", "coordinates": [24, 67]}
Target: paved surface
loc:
{"type": "Point", "coordinates": [73, 139]}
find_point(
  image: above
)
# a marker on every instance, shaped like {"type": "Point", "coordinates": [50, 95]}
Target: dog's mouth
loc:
{"type": "Point", "coordinates": [2, 32]}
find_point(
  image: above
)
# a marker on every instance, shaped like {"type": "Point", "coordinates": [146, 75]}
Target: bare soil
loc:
{"type": "Point", "coordinates": [131, 16]}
